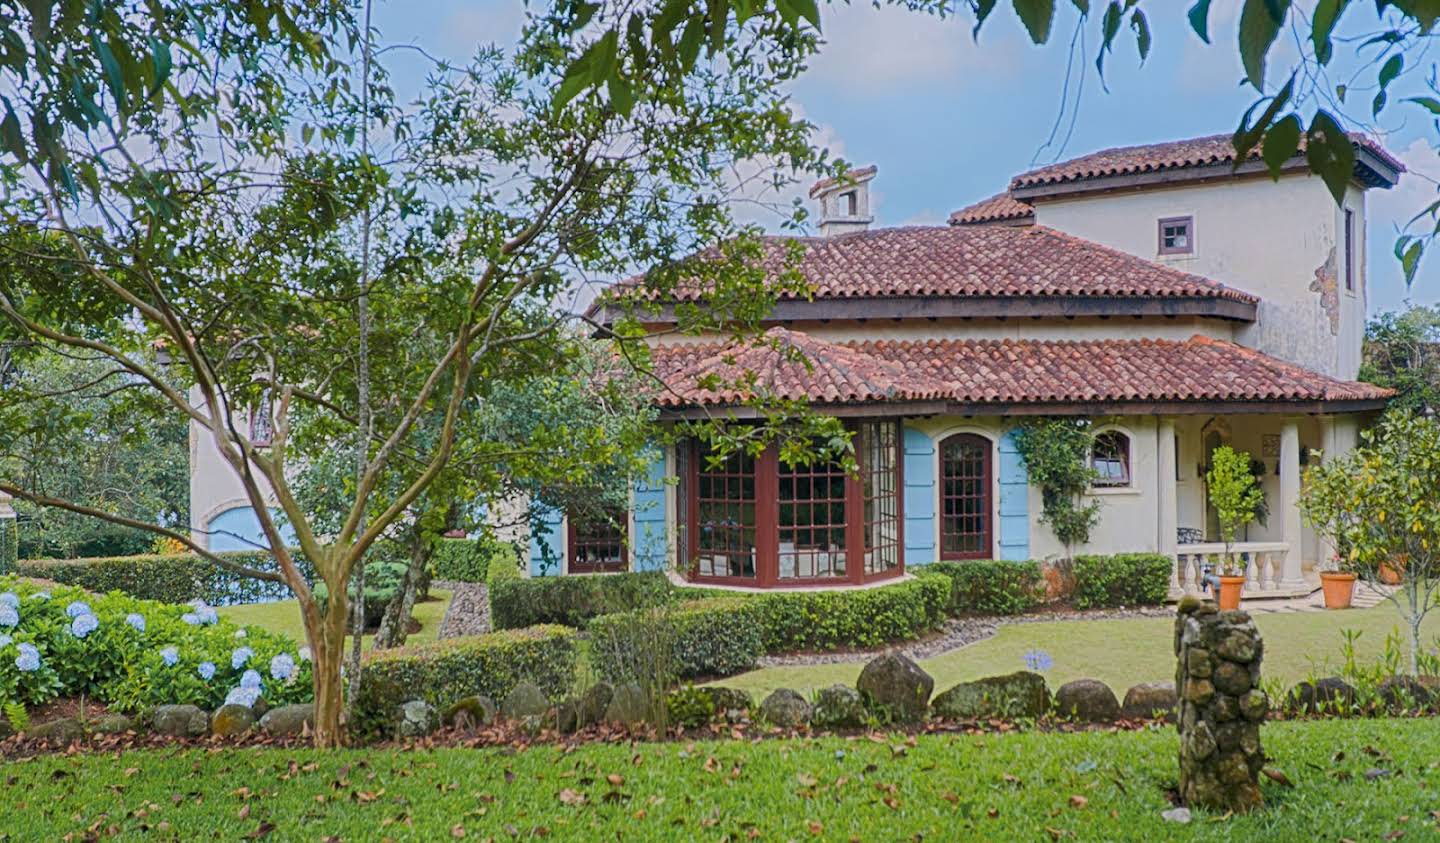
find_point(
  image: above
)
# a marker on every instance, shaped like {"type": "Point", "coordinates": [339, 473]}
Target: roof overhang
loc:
{"type": "Point", "coordinates": [891, 409]}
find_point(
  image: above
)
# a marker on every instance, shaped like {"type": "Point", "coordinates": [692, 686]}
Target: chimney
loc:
{"type": "Point", "coordinates": [845, 201]}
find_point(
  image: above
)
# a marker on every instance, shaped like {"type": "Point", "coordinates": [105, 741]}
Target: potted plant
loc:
{"type": "Point", "coordinates": [1337, 583]}
{"type": "Point", "coordinates": [1236, 496]}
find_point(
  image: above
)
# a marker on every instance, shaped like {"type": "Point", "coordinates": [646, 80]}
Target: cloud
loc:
{"type": "Point", "coordinates": [756, 199]}
{"type": "Point", "coordinates": [1390, 210]}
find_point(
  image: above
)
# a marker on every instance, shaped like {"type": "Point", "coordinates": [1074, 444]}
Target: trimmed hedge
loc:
{"type": "Point", "coordinates": [1125, 579]}
{"type": "Point", "coordinates": [572, 600]}
{"type": "Point", "coordinates": [468, 560]}
{"type": "Point", "coordinates": [834, 620]}
{"type": "Point", "coordinates": [447, 671]}
{"type": "Point", "coordinates": [991, 586]}
{"type": "Point", "coordinates": [715, 637]}
{"type": "Point", "coordinates": [168, 578]}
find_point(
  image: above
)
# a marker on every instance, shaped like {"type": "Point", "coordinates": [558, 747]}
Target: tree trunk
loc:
{"type": "Point", "coordinates": [394, 627]}
{"type": "Point", "coordinates": [326, 636]}
{"type": "Point", "coordinates": [1412, 592]}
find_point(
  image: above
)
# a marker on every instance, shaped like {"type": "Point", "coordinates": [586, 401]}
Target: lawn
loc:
{"type": "Point", "coordinates": [1120, 653]}
{"type": "Point", "coordinates": [1026, 786]}
{"type": "Point", "coordinates": [283, 616]}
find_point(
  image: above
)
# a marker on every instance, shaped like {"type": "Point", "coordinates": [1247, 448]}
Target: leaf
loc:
{"type": "Point", "coordinates": [1109, 26]}
{"type": "Point", "coordinates": [1199, 16]}
{"type": "Point", "coordinates": [114, 78]}
{"type": "Point", "coordinates": [1259, 27]}
{"type": "Point", "coordinates": [1078, 801]}
{"type": "Point", "coordinates": [1277, 777]}
{"type": "Point", "coordinates": [1329, 153]}
{"type": "Point", "coordinates": [1322, 24]}
{"type": "Point", "coordinates": [1410, 257]}
{"type": "Point", "coordinates": [983, 8]}
{"type": "Point", "coordinates": [11, 134]}
{"type": "Point", "coordinates": [602, 57]}
{"type": "Point", "coordinates": [160, 62]}
{"type": "Point", "coordinates": [1281, 143]}
{"type": "Point", "coordinates": [1429, 103]}
{"type": "Point", "coordinates": [1141, 25]}
{"type": "Point", "coordinates": [1247, 136]}
{"type": "Point", "coordinates": [622, 98]}
{"type": "Point", "coordinates": [1037, 16]}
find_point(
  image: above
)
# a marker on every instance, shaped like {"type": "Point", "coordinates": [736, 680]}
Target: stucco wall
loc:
{"type": "Point", "coordinates": [216, 491]}
{"type": "Point", "coordinates": [1277, 240]}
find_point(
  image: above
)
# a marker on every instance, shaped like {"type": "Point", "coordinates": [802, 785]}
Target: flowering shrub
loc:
{"type": "Point", "coordinates": [133, 654]}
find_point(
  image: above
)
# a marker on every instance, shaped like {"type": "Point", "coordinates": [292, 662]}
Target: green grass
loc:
{"type": "Point", "coordinates": [283, 616]}
{"type": "Point", "coordinates": [1120, 653]}
{"type": "Point", "coordinates": [946, 787]}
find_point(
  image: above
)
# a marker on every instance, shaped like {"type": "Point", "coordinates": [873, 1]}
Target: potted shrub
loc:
{"type": "Point", "coordinates": [1337, 583]}
{"type": "Point", "coordinates": [1236, 496]}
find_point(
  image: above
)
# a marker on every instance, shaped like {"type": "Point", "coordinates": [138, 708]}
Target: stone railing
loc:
{"type": "Point", "coordinates": [1263, 563]}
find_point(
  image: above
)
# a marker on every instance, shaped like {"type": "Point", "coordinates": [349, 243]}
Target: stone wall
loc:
{"type": "Point", "coordinates": [1221, 707]}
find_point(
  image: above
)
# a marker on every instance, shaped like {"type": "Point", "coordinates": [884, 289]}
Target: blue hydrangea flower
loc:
{"type": "Point", "coordinates": [8, 616]}
{"type": "Point", "coordinates": [240, 633]}
{"type": "Point", "coordinates": [240, 657]}
{"type": "Point", "coordinates": [5, 640]}
{"type": "Point", "coordinates": [29, 658]}
{"type": "Point", "coordinates": [251, 679]}
{"type": "Point", "coordinates": [191, 618]}
{"type": "Point", "coordinates": [170, 655]}
{"type": "Point", "coordinates": [1038, 661]}
{"type": "Point", "coordinates": [10, 599]}
{"type": "Point", "coordinates": [243, 696]}
{"type": "Point", "coordinates": [78, 608]}
{"type": "Point", "coordinates": [282, 667]}
{"type": "Point", "coordinates": [208, 617]}
{"type": "Point", "coordinates": [305, 653]}
{"type": "Point", "coordinates": [40, 595]}
{"type": "Point", "coordinates": [206, 670]}
{"type": "Point", "coordinates": [136, 620]}
{"type": "Point", "coordinates": [83, 625]}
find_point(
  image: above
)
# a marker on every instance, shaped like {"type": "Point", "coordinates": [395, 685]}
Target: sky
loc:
{"type": "Point", "coordinates": [949, 119]}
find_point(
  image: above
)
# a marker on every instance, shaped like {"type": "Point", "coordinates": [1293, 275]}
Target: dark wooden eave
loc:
{"type": "Point", "coordinates": [1100, 408]}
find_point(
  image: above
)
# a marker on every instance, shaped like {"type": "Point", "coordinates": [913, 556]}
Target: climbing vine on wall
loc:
{"type": "Point", "coordinates": [1056, 452]}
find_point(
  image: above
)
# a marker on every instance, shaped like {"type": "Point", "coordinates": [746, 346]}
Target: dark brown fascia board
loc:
{"type": "Point", "coordinates": [1101, 408]}
{"type": "Point", "coordinates": [1370, 170]}
{"type": "Point", "coordinates": [974, 307]}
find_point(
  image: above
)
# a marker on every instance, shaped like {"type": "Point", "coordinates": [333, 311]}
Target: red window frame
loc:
{"type": "Point", "coordinates": [967, 497]}
{"type": "Point", "coordinates": [605, 538]}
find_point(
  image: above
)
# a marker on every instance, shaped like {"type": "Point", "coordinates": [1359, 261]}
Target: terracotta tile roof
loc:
{"type": "Point", "coordinates": [1155, 157]}
{"type": "Point", "coordinates": [1004, 372]}
{"type": "Point", "coordinates": [974, 261]}
{"type": "Point", "coordinates": [1002, 207]}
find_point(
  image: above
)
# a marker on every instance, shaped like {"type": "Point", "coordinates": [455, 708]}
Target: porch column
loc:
{"type": "Point", "coordinates": [1167, 517]}
{"type": "Point", "coordinates": [1324, 548]}
{"type": "Point", "coordinates": [1291, 576]}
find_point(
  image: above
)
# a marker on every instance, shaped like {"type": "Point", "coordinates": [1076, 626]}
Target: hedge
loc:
{"type": "Point", "coordinates": [833, 620]}
{"type": "Point", "coordinates": [991, 586]}
{"type": "Point", "coordinates": [468, 560]}
{"type": "Point", "coordinates": [444, 672]}
{"type": "Point", "coordinates": [572, 600]}
{"type": "Point", "coordinates": [1125, 579]}
{"type": "Point", "coordinates": [714, 637]}
{"type": "Point", "coordinates": [168, 578]}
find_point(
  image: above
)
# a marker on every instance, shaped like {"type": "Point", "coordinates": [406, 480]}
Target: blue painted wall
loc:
{"type": "Point", "coordinates": [1014, 502]}
{"type": "Point", "coordinates": [547, 542]}
{"type": "Point", "coordinates": [239, 529]}
{"type": "Point", "coordinates": [919, 498]}
{"type": "Point", "coordinates": [651, 542]}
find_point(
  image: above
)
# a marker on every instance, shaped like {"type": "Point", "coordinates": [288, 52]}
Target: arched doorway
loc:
{"type": "Point", "coordinates": [967, 522]}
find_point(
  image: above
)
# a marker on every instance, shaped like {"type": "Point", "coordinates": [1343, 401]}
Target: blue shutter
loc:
{"type": "Point", "coordinates": [547, 541]}
{"type": "Point", "coordinates": [919, 497]}
{"type": "Point", "coordinates": [651, 542]}
{"type": "Point", "coordinates": [1014, 502]}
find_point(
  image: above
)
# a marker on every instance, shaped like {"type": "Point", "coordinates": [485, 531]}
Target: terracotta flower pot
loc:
{"type": "Point", "coordinates": [1388, 574]}
{"type": "Point", "coordinates": [1339, 589]}
{"type": "Point", "coordinates": [1230, 590]}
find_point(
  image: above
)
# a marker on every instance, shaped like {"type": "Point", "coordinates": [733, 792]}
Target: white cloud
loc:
{"type": "Point", "coordinates": [1390, 209]}
{"type": "Point", "coordinates": [756, 199]}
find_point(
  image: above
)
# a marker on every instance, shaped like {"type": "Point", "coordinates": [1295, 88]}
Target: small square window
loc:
{"type": "Point", "coordinates": [1177, 236]}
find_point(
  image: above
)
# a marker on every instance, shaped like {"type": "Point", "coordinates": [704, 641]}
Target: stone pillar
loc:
{"type": "Point", "coordinates": [1166, 500]}
{"type": "Point", "coordinates": [1221, 707]}
{"type": "Point", "coordinates": [1291, 576]}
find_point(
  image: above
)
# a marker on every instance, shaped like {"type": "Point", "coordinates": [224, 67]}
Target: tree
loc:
{"type": "Point", "coordinates": [1234, 493]}
{"type": "Point", "coordinates": [1377, 505]}
{"type": "Point", "coordinates": [1402, 352]}
{"type": "Point", "coordinates": [190, 186]}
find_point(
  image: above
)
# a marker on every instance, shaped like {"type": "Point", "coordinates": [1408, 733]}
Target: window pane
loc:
{"type": "Point", "coordinates": [725, 516]}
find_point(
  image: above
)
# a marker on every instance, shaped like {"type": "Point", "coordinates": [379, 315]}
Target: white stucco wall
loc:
{"type": "Point", "coordinates": [1277, 240]}
{"type": "Point", "coordinates": [215, 488]}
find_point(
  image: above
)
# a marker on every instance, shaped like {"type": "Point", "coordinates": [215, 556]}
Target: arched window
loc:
{"type": "Point", "coordinates": [1110, 457]}
{"type": "Point", "coordinates": [966, 525]}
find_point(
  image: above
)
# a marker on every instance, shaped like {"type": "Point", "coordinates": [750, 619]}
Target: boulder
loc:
{"type": "Point", "coordinates": [839, 707]}
{"type": "Point", "coordinates": [180, 721]}
{"type": "Point", "coordinates": [628, 705]}
{"type": "Point", "coordinates": [785, 708]}
{"type": "Point", "coordinates": [594, 702]}
{"type": "Point", "coordinates": [1150, 699]}
{"type": "Point", "coordinates": [1022, 694]}
{"type": "Point", "coordinates": [524, 700]}
{"type": "Point", "coordinates": [896, 688]}
{"type": "Point", "coordinates": [1087, 700]}
{"type": "Point", "coordinates": [111, 723]}
{"type": "Point", "coordinates": [231, 720]}
{"type": "Point", "coordinates": [1231, 678]}
{"type": "Point", "coordinates": [1320, 695]}
{"type": "Point", "coordinates": [470, 712]}
{"type": "Point", "coordinates": [418, 718]}
{"type": "Point", "coordinates": [730, 703]}
{"type": "Point", "coordinates": [1408, 693]}
{"type": "Point", "coordinates": [289, 719]}
{"type": "Point", "coordinates": [64, 730]}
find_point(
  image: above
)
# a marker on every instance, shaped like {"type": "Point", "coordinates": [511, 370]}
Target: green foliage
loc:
{"type": "Point", "coordinates": [1125, 579]}
{"type": "Point", "coordinates": [168, 578]}
{"type": "Point", "coordinates": [990, 586]}
{"type": "Point", "coordinates": [716, 637]}
{"type": "Point", "coordinates": [1056, 452]}
{"type": "Point", "coordinates": [1402, 352]}
{"type": "Point", "coordinates": [384, 579]}
{"type": "Point", "coordinates": [1234, 493]}
{"type": "Point", "coordinates": [454, 668]}
{"type": "Point", "coordinates": [690, 707]}
{"type": "Point", "coordinates": [9, 545]}
{"type": "Point", "coordinates": [468, 560]}
{"type": "Point", "coordinates": [572, 600]}
{"type": "Point", "coordinates": [17, 716]}
{"type": "Point", "coordinates": [839, 620]}
{"type": "Point", "coordinates": [122, 665]}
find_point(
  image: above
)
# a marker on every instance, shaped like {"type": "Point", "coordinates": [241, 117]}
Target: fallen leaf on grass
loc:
{"type": "Point", "coordinates": [1277, 777]}
{"type": "Point", "coordinates": [1078, 801]}
{"type": "Point", "coordinates": [263, 831]}
{"type": "Point", "coordinates": [816, 828]}
{"type": "Point", "coordinates": [571, 797]}
{"type": "Point", "coordinates": [457, 831]}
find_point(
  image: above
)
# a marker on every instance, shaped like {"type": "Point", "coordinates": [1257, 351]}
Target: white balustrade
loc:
{"type": "Point", "coordinates": [1261, 562]}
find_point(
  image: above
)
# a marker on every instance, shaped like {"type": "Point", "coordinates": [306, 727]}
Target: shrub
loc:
{"type": "Point", "coordinates": [572, 600]}
{"type": "Point", "coordinates": [447, 671]}
{"type": "Point", "coordinates": [715, 637]}
{"type": "Point", "coordinates": [133, 654]}
{"type": "Point", "coordinates": [382, 584]}
{"type": "Point", "coordinates": [992, 586]}
{"type": "Point", "coordinates": [468, 560]}
{"type": "Point", "coordinates": [831, 620]}
{"type": "Point", "coordinates": [168, 578]}
{"type": "Point", "coordinates": [1125, 579]}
